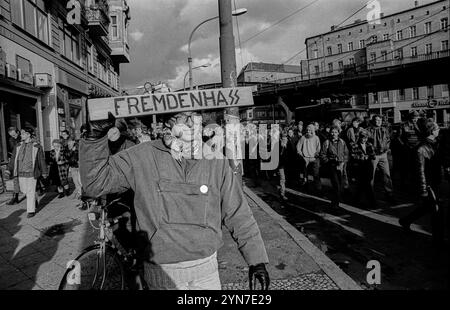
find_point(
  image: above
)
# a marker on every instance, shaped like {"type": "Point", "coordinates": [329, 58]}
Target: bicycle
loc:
{"type": "Point", "coordinates": [105, 265]}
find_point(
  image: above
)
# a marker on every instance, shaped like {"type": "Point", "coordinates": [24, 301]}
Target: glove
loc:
{"type": "Point", "coordinates": [259, 272]}
{"type": "Point", "coordinates": [98, 129]}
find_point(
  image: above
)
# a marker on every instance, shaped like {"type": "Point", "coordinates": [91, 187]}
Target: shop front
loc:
{"type": "Point", "coordinates": [439, 109]}
{"type": "Point", "coordinates": [71, 95]}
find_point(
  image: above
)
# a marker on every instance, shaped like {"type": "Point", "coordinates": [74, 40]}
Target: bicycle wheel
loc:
{"type": "Point", "coordinates": [87, 271]}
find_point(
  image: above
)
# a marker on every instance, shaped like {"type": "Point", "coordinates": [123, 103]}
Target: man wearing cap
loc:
{"type": "Point", "coordinates": [181, 204]}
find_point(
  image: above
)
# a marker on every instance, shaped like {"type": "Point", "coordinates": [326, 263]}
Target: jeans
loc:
{"type": "Point", "coordinates": [336, 182]}
{"type": "Point", "coordinates": [75, 174]}
{"type": "Point", "coordinates": [201, 274]}
{"type": "Point", "coordinates": [381, 161]}
{"type": "Point", "coordinates": [28, 187]}
{"type": "Point", "coordinates": [315, 163]}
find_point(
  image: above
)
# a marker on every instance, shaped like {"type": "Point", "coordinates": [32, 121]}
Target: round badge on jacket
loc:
{"type": "Point", "coordinates": [203, 189]}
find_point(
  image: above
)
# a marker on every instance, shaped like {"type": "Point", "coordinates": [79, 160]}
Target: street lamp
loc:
{"type": "Point", "coordinates": [235, 13]}
{"type": "Point", "coordinates": [187, 72]}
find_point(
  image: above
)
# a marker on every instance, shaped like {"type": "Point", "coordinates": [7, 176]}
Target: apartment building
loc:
{"type": "Point", "coordinates": [267, 72]}
{"type": "Point", "coordinates": [49, 67]}
{"type": "Point", "coordinates": [416, 34]}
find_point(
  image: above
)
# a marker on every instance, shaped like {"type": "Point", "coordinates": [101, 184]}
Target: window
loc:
{"type": "Point", "coordinates": [362, 43]}
{"type": "Point", "coordinates": [31, 16]}
{"type": "Point", "coordinates": [114, 27]}
{"type": "Point", "coordinates": [350, 46]}
{"type": "Point", "coordinates": [90, 58]}
{"type": "Point", "coordinates": [24, 65]}
{"type": "Point", "coordinates": [444, 45]}
{"type": "Point", "coordinates": [373, 57]}
{"type": "Point", "coordinates": [317, 69]}
{"type": "Point", "coordinates": [330, 67]}
{"type": "Point", "coordinates": [384, 55]}
{"type": "Point", "coordinates": [385, 36]}
{"type": "Point", "coordinates": [339, 48]}
{"type": "Point", "coordinates": [351, 61]}
{"type": "Point", "coordinates": [428, 28]}
{"type": "Point", "coordinates": [413, 51]}
{"type": "Point", "coordinates": [444, 23]}
{"type": "Point", "coordinates": [415, 93]}
{"type": "Point", "coordinates": [400, 35]}
{"type": "Point", "coordinates": [428, 48]}
{"type": "Point", "coordinates": [341, 65]}
{"type": "Point", "coordinates": [412, 31]}
{"type": "Point", "coordinates": [70, 43]}
{"type": "Point", "coordinates": [316, 53]}
{"type": "Point", "coordinates": [430, 92]}
{"type": "Point", "coordinates": [375, 97]}
{"type": "Point", "coordinates": [330, 51]}
{"type": "Point", "coordinates": [401, 94]}
{"type": "Point", "coordinates": [399, 53]}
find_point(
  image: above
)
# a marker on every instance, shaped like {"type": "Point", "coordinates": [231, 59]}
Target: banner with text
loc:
{"type": "Point", "coordinates": [163, 103]}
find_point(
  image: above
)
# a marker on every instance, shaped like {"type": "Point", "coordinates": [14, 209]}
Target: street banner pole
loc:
{"type": "Point", "coordinates": [228, 71]}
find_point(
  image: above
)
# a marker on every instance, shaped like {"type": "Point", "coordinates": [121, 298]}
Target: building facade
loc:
{"type": "Point", "coordinates": [267, 72]}
{"type": "Point", "coordinates": [50, 66]}
{"type": "Point", "coordinates": [417, 34]}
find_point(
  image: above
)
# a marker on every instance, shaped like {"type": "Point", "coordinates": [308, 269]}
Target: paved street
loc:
{"type": "Point", "coordinates": [34, 252]}
{"type": "Point", "coordinates": [353, 234]}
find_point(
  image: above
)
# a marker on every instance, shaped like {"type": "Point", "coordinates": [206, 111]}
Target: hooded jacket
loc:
{"type": "Point", "coordinates": [180, 205]}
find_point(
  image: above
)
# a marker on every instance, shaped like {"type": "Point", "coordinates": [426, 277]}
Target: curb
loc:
{"type": "Point", "coordinates": [342, 280]}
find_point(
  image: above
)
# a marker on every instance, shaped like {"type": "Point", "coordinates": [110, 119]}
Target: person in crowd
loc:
{"type": "Point", "coordinates": [72, 153]}
{"type": "Point", "coordinates": [380, 139]}
{"type": "Point", "coordinates": [59, 167]}
{"type": "Point", "coordinates": [322, 134]}
{"type": "Point", "coordinates": [351, 137]}
{"type": "Point", "coordinates": [308, 148]}
{"type": "Point", "coordinates": [362, 153]}
{"type": "Point", "coordinates": [428, 170]}
{"type": "Point", "coordinates": [366, 123]}
{"type": "Point", "coordinates": [352, 132]}
{"type": "Point", "coordinates": [137, 130]}
{"type": "Point", "coordinates": [282, 164]}
{"type": "Point", "coordinates": [408, 139]}
{"type": "Point", "coordinates": [335, 154]}
{"type": "Point", "coordinates": [13, 141]}
{"type": "Point", "coordinates": [65, 136]}
{"type": "Point", "coordinates": [181, 203]}
{"type": "Point", "coordinates": [28, 164]}
{"type": "Point", "coordinates": [299, 130]}
{"type": "Point", "coordinates": [293, 174]}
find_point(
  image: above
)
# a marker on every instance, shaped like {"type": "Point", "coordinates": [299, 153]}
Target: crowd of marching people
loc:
{"type": "Point", "coordinates": [352, 155]}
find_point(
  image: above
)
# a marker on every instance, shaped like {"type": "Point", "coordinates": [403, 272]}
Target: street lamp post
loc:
{"type": "Point", "coordinates": [234, 13]}
{"type": "Point", "coordinates": [190, 71]}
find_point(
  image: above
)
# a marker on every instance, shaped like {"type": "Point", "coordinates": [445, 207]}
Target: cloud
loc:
{"type": "Point", "coordinates": [137, 35]}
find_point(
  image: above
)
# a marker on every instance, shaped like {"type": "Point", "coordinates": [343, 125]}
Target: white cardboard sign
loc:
{"type": "Point", "coordinates": [175, 102]}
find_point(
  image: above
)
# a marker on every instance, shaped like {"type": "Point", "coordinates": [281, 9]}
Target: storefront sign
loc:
{"type": "Point", "coordinates": [43, 80]}
{"type": "Point", "coordinates": [431, 104]}
{"type": "Point", "coordinates": [162, 103]}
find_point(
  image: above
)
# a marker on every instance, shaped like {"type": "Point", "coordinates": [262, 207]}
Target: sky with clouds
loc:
{"type": "Point", "coordinates": [159, 31]}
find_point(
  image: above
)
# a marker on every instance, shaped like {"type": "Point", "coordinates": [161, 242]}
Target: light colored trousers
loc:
{"type": "Point", "coordinates": [201, 274]}
{"type": "Point", "coordinates": [75, 174]}
{"type": "Point", "coordinates": [381, 161]}
{"type": "Point", "coordinates": [28, 187]}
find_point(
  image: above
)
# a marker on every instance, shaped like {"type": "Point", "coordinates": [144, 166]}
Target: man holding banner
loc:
{"type": "Point", "coordinates": [181, 201]}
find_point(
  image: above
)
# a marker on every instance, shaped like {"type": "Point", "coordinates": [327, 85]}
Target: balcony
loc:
{"type": "Point", "coordinates": [98, 20]}
{"type": "Point", "coordinates": [120, 52]}
{"type": "Point", "coordinates": [407, 60]}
